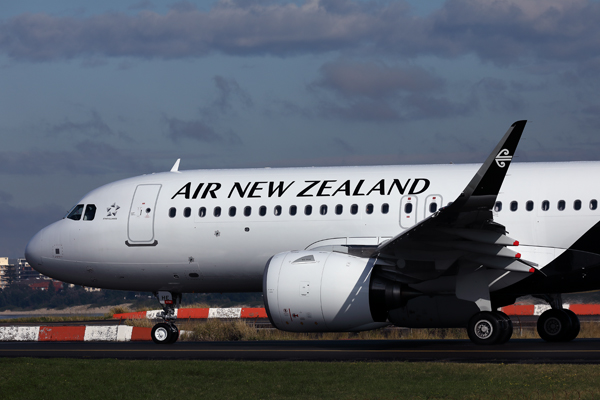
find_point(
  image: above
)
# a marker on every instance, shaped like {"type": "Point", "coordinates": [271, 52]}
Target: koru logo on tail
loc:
{"type": "Point", "coordinates": [503, 157]}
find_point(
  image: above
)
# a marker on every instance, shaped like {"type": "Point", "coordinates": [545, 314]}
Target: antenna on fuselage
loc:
{"type": "Point", "coordinates": [176, 166]}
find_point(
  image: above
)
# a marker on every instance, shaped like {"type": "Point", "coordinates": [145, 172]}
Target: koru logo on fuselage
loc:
{"type": "Point", "coordinates": [503, 157]}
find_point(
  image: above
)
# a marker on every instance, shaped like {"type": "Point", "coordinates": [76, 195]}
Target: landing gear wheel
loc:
{"type": "Point", "coordinates": [507, 327]}
{"type": "Point", "coordinates": [575, 326]}
{"type": "Point", "coordinates": [174, 334]}
{"type": "Point", "coordinates": [554, 325]}
{"type": "Point", "coordinates": [485, 328]}
{"type": "Point", "coordinates": [162, 333]}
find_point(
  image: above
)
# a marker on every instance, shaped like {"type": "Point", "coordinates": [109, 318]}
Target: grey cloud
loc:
{"type": "Point", "coordinates": [178, 129]}
{"type": "Point", "coordinates": [501, 31]}
{"type": "Point", "coordinates": [377, 92]}
{"type": "Point", "coordinates": [361, 110]}
{"type": "Point", "coordinates": [93, 127]}
{"type": "Point", "coordinates": [499, 95]}
{"type": "Point", "coordinates": [228, 92]}
{"type": "Point", "coordinates": [375, 80]}
{"type": "Point", "coordinates": [89, 158]}
{"type": "Point", "coordinates": [20, 224]}
{"type": "Point", "coordinates": [142, 5]}
{"type": "Point", "coordinates": [5, 196]}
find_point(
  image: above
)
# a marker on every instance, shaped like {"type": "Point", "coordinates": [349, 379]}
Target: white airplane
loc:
{"type": "Point", "coordinates": [345, 248]}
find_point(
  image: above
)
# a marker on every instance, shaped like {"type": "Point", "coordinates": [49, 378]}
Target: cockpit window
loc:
{"type": "Point", "coordinates": [76, 212]}
{"type": "Point", "coordinates": [90, 212]}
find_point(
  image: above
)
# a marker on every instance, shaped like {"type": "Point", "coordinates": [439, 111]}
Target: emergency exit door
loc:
{"type": "Point", "coordinates": [140, 228]}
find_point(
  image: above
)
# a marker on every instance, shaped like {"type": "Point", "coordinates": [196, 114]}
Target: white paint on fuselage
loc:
{"type": "Point", "coordinates": [229, 253]}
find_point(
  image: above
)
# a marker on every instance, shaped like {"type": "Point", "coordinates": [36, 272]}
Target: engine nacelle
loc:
{"type": "Point", "coordinates": [318, 291]}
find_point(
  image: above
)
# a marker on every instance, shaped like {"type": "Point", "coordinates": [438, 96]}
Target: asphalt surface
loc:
{"type": "Point", "coordinates": [580, 351]}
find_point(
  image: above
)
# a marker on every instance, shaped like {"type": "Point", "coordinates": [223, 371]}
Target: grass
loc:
{"type": "Point", "coordinates": [27, 378]}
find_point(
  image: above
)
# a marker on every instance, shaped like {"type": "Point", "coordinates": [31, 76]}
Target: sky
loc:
{"type": "Point", "coordinates": [93, 92]}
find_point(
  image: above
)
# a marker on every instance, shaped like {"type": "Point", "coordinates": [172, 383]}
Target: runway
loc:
{"type": "Point", "coordinates": [581, 351]}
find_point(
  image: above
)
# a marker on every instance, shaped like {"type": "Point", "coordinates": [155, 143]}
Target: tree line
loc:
{"type": "Point", "coordinates": [22, 297]}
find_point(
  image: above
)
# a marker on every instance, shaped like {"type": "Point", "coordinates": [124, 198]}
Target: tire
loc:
{"type": "Point", "coordinates": [162, 333]}
{"type": "Point", "coordinates": [575, 326]}
{"type": "Point", "coordinates": [554, 325]}
{"type": "Point", "coordinates": [485, 328]}
{"type": "Point", "coordinates": [174, 334]}
{"type": "Point", "coordinates": [507, 327]}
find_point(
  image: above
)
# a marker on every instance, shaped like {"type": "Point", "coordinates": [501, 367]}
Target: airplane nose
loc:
{"type": "Point", "coordinates": [34, 250]}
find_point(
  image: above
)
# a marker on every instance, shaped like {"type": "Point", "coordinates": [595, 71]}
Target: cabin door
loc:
{"type": "Point", "coordinates": [140, 228]}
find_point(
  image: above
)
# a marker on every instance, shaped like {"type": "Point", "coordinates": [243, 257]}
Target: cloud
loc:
{"type": "Point", "coordinates": [178, 130]}
{"type": "Point", "coordinates": [370, 91]}
{"type": "Point", "coordinates": [229, 91]}
{"type": "Point", "coordinates": [89, 158]}
{"type": "Point", "coordinates": [5, 196]}
{"type": "Point", "coordinates": [20, 224]}
{"type": "Point", "coordinates": [500, 31]}
{"type": "Point", "coordinates": [375, 80]}
{"type": "Point", "coordinates": [95, 126]}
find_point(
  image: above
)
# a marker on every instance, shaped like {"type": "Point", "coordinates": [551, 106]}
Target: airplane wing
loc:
{"type": "Point", "coordinates": [462, 237]}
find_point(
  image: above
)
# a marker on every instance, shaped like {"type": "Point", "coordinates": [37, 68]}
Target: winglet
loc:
{"type": "Point", "coordinates": [176, 166]}
{"type": "Point", "coordinates": [483, 189]}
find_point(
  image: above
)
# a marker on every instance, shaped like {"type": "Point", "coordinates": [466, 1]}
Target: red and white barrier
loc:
{"type": "Point", "coordinates": [234, 313]}
{"type": "Point", "coordinates": [199, 313]}
{"type": "Point", "coordinates": [92, 333]}
{"type": "Point", "coordinates": [538, 309]}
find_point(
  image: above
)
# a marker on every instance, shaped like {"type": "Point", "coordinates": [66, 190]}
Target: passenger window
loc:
{"type": "Point", "coordinates": [529, 205]}
{"type": "Point", "coordinates": [561, 205]}
{"type": "Point", "coordinates": [408, 208]}
{"type": "Point", "coordinates": [308, 210]}
{"type": "Point", "coordinates": [354, 209]}
{"type": "Point", "coordinates": [432, 207]}
{"type": "Point", "coordinates": [323, 209]}
{"type": "Point", "coordinates": [202, 212]}
{"type": "Point", "coordinates": [172, 212]}
{"type": "Point", "coordinates": [232, 211]}
{"type": "Point", "coordinates": [514, 206]}
{"type": "Point", "coordinates": [339, 209]}
{"type": "Point", "coordinates": [187, 212]}
{"type": "Point", "coordinates": [577, 205]}
{"type": "Point", "coordinates": [545, 205]}
{"type": "Point", "coordinates": [217, 212]}
{"type": "Point", "coordinates": [247, 211]}
{"type": "Point", "coordinates": [593, 204]}
{"type": "Point", "coordinates": [75, 214]}
{"type": "Point", "coordinates": [262, 211]}
{"type": "Point", "coordinates": [277, 210]}
{"type": "Point", "coordinates": [498, 206]}
{"type": "Point", "coordinates": [369, 208]}
{"type": "Point", "coordinates": [385, 208]}
{"type": "Point", "coordinates": [90, 212]}
{"type": "Point", "coordinates": [293, 210]}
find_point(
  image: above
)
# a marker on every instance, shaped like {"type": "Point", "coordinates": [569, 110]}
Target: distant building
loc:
{"type": "Point", "coordinates": [25, 271]}
{"type": "Point", "coordinates": [7, 272]}
{"type": "Point", "coordinates": [42, 284]}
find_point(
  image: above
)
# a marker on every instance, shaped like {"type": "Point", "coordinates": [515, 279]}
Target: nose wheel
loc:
{"type": "Point", "coordinates": [166, 332]}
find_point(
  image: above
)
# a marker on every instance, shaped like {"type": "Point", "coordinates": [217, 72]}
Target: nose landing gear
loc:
{"type": "Point", "coordinates": [166, 332]}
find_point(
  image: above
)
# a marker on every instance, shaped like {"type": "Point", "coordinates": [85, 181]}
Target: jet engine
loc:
{"type": "Point", "coordinates": [319, 291]}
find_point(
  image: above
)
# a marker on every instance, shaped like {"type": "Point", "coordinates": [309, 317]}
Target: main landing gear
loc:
{"type": "Point", "coordinates": [557, 324]}
{"type": "Point", "coordinates": [166, 332]}
{"type": "Point", "coordinates": [490, 327]}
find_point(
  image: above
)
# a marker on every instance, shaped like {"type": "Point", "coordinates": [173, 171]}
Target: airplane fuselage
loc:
{"type": "Point", "coordinates": [215, 230]}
